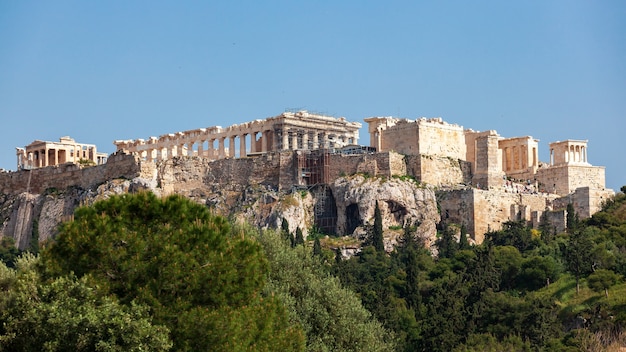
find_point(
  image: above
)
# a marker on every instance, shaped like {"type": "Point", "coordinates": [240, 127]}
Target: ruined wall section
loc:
{"type": "Point", "coordinates": [586, 201]}
{"type": "Point", "coordinates": [487, 159]}
{"type": "Point", "coordinates": [69, 175]}
{"type": "Point", "coordinates": [439, 171]}
{"type": "Point", "coordinates": [566, 179]}
{"type": "Point", "coordinates": [436, 137]}
{"type": "Point", "coordinates": [483, 211]}
{"type": "Point", "coordinates": [402, 138]}
{"type": "Point", "coordinates": [379, 164]}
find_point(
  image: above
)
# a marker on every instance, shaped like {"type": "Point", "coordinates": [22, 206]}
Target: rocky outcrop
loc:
{"type": "Point", "coordinates": [234, 188]}
{"type": "Point", "coordinates": [401, 201]}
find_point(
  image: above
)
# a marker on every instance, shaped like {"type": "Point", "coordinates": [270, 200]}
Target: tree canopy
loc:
{"type": "Point", "coordinates": [199, 279]}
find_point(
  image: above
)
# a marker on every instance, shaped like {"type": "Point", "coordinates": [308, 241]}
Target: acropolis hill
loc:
{"type": "Point", "coordinates": [310, 169]}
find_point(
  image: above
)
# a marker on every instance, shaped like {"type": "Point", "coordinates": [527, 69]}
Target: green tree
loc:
{"type": "Point", "coordinates": [317, 247]}
{"type": "Point", "coordinates": [299, 237]}
{"type": "Point", "coordinates": [332, 316]}
{"type": "Point", "coordinates": [176, 257]}
{"type": "Point", "coordinates": [67, 314]}
{"type": "Point", "coordinates": [8, 251]}
{"type": "Point", "coordinates": [579, 255]}
{"type": "Point", "coordinates": [508, 260]}
{"type": "Point", "coordinates": [572, 221]}
{"type": "Point", "coordinates": [446, 244]}
{"type": "Point", "coordinates": [602, 280]}
{"type": "Point", "coordinates": [284, 230]}
{"type": "Point", "coordinates": [463, 241]}
{"type": "Point", "coordinates": [377, 237]}
{"type": "Point", "coordinates": [538, 271]}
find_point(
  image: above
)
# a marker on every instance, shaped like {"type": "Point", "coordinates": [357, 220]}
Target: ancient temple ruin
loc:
{"type": "Point", "coordinates": [482, 179]}
{"type": "Point", "coordinates": [497, 179]}
{"type": "Point", "coordinates": [299, 130]}
{"type": "Point", "coordinates": [66, 150]}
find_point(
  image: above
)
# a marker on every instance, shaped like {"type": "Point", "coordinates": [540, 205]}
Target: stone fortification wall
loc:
{"type": "Point", "coordinates": [181, 174]}
{"type": "Point", "coordinates": [437, 137]}
{"type": "Point", "coordinates": [567, 178]}
{"type": "Point", "coordinates": [487, 159]}
{"type": "Point", "coordinates": [402, 138]}
{"type": "Point", "coordinates": [68, 175]}
{"type": "Point", "coordinates": [483, 211]}
{"type": "Point", "coordinates": [439, 171]}
{"type": "Point", "coordinates": [586, 201]}
{"type": "Point", "coordinates": [386, 164]}
{"type": "Point", "coordinates": [424, 136]}
{"type": "Point", "coordinates": [554, 220]}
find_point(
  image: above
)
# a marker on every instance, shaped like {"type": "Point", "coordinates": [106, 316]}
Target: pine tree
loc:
{"type": "Point", "coordinates": [377, 238]}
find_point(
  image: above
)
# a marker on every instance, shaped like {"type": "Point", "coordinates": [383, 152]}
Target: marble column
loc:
{"type": "Point", "coordinates": [231, 146]}
{"type": "Point", "coordinates": [242, 146]}
{"type": "Point", "coordinates": [305, 140]}
{"type": "Point", "coordinates": [285, 136]}
{"type": "Point", "coordinates": [294, 139]}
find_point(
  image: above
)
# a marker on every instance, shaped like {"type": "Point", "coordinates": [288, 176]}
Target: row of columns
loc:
{"type": "Point", "coordinates": [568, 154]}
{"type": "Point", "coordinates": [35, 158]}
{"type": "Point", "coordinates": [161, 150]}
{"type": "Point", "coordinates": [261, 141]}
{"type": "Point", "coordinates": [517, 158]}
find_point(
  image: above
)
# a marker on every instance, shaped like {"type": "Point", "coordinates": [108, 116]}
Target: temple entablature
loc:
{"type": "Point", "coordinates": [288, 131]}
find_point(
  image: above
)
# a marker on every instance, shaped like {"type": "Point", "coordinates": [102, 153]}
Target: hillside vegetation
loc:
{"type": "Point", "coordinates": [137, 272]}
{"type": "Point", "coordinates": [521, 290]}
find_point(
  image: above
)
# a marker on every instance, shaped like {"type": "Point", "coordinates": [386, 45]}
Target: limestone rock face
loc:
{"type": "Point", "coordinates": [400, 201]}
{"type": "Point", "coordinates": [26, 215]}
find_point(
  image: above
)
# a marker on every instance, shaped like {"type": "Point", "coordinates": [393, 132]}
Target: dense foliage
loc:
{"type": "Point", "coordinates": [521, 290]}
{"type": "Point", "coordinates": [137, 272]}
{"type": "Point", "coordinates": [199, 279]}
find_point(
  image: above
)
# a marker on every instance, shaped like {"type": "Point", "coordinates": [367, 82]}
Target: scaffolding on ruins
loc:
{"type": "Point", "coordinates": [314, 174]}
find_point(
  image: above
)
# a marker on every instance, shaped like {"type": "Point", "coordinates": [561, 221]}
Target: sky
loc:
{"type": "Point", "coordinates": [110, 70]}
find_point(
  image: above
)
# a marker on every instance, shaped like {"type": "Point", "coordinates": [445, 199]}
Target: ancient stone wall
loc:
{"type": "Point", "coordinates": [68, 175]}
{"type": "Point", "coordinates": [483, 211]}
{"type": "Point", "coordinates": [402, 138]}
{"type": "Point", "coordinates": [487, 160]}
{"type": "Point", "coordinates": [439, 171]}
{"type": "Point", "coordinates": [566, 179]}
{"type": "Point", "coordinates": [437, 137]}
{"type": "Point", "coordinates": [385, 164]}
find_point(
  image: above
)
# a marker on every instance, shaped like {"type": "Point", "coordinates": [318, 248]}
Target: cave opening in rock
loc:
{"type": "Point", "coordinates": [353, 218]}
{"type": "Point", "coordinates": [397, 211]}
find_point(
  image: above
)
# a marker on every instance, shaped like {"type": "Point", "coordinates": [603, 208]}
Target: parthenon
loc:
{"type": "Point", "coordinates": [299, 130]}
{"type": "Point", "coordinates": [43, 153]}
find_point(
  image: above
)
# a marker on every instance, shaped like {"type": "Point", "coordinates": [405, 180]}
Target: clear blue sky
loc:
{"type": "Point", "coordinates": [105, 70]}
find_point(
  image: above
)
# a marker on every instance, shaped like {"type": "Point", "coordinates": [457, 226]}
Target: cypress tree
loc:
{"type": "Point", "coordinates": [317, 247]}
{"type": "Point", "coordinates": [299, 238]}
{"type": "Point", "coordinates": [284, 230]}
{"type": "Point", "coordinates": [463, 242]}
{"type": "Point", "coordinates": [377, 238]}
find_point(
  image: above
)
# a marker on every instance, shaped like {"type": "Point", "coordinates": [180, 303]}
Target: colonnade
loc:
{"type": "Point", "coordinates": [519, 154]}
{"type": "Point", "coordinates": [288, 131]}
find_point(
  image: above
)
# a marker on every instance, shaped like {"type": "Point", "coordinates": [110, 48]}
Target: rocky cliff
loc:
{"type": "Point", "coordinates": [242, 189]}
